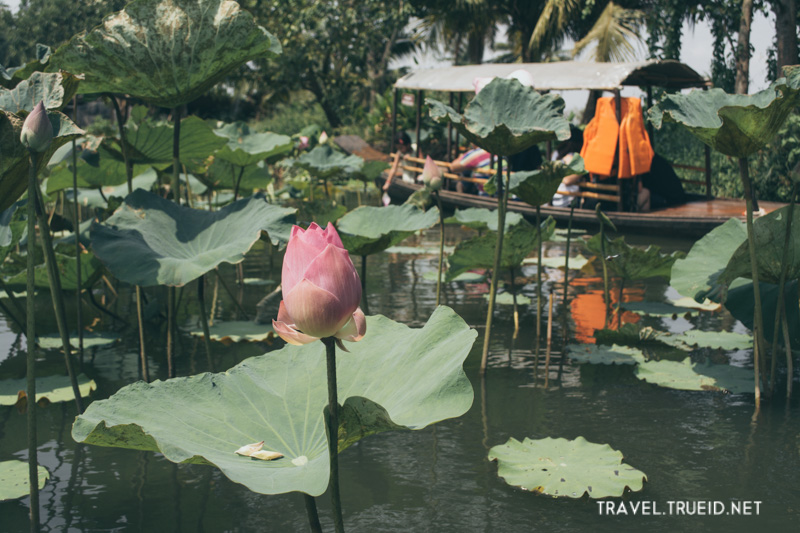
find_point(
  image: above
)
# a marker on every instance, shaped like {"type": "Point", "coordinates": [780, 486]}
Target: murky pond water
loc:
{"type": "Point", "coordinates": [693, 446]}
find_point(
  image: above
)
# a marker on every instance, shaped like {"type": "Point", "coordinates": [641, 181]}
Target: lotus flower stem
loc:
{"type": "Point", "coordinates": [313, 516]}
{"type": "Point", "coordinates": [441, 247]}
{"type": "Point", "coordinates": [55, 289]}
{"type": "Point", "coordinates": [33, 462]}
{"type": "Point", "coordinates": [176, 155]}
{"type": "Point", "coordinates": [201, 298]}
{"type": "Point", "coordinates": [498, 254]}
{"type": "Point", "coordinates": [788, 345]}
{"type": "Point", "coordinates": [238, 182]}
{"type": "Point", "coordinates": [333, 432]}
{"type": "Point", "coordinates": [781, 284]}
{"type": "Point", "coordinates": [758, 323]}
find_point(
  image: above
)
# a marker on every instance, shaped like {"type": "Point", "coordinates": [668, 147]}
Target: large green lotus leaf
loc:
{"type": "Point", "coordinates": [480, 218]}
{"type": "Point", "coordinates": [537, 187]}
{"type": "Point", "coordinates": [369, 230]}
{"type": "Point", "coordinates": [736, 125]}
{"type": "Point", "coordinates": [224, 175]}
{"type": "Point", "coordinates": [150, 143]}
{"type": "Point", "coordinates": [96, 169]}
{"type": "Point", "coordinates": [565, 468]}
{"type": "Point", "coordinates": [14, 160]}
{"type": "Point", "coordinates": [396, 377]}
{"type": "Point", "coordinates": [54, 388]}
{"type": "Point", "coordinates": [478, 252]}
{"type": "Point", "coordinates": [769, 232]}
{"type": "Point", "coordinates": [55, 90]}
{"type": "Point", "coordinates": [67, 265]}
{"type": "Point", "coordinates": [90, 340]}
{"type": "Point", "coordinates": [599, 354]}
{"type": "Point", "coordinates": [246, 148]}
{"type": "Point", "coordinates": [507, 117]}
{"type": "Point", "coordinates": [15, 481]}
{"type": "Point", "coordinates": [166, 52]}
{"type": "Point", "coordinates": [741, 304]}
{"type": "Point", "coordinates": [630, 262]}
{"type": "Point", "coordinates": [697, 275]}
{"type": "Point", "coordinates": [686, 375]}
{"type": "Point", "coordinates": [152, 241]}
{"type": "Point", "coordinates": [325, 162]}
{"type": "Point", "coordinates": [12, 76]}
{"type": "Point", "coordinates": [12, 227]}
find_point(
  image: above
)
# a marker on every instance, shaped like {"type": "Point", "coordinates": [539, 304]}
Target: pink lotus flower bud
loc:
{"type": "Point", "coordinates": [431, 175]}
{"type": "Point", "coordinates": [303, 144]}
{"type": "Point", "coordinates": [37, 131]}
{"type": "Point", "coordinates": [321, 289]}
{"type": "Point", "coordinates": [323, 138]}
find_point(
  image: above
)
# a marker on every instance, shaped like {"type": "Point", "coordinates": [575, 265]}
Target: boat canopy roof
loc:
{"type": "Point", "coordinates": [560, 75]}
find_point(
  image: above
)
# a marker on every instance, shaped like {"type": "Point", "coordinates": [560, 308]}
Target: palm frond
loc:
{"type": "Point", "coordinates": [614, 33]}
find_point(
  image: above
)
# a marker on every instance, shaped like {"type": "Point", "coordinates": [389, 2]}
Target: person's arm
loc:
{"type": "Point", "coordinates": [392, 171]}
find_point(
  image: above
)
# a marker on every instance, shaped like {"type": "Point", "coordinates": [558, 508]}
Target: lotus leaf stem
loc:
{"type": "Point", "coordinates": [498, 254]}
{"type": "Point", "coordinates": [333, 433]}
{"type": "Point", "coordinates": [77, 230]}
{"type": "Point", "coordinates": [201, 299]}
{"type": "Point", "coordinates": [313, 515]}
{"type": "Point", "coordinates": [170, 332]}
{"type": "Point", "coordinates": [538, 277]}
{"type": "Point", "coordinates": [441, 247]}
{"type": "Point", "coordinates": [549, 341]}
{"type": "Point", "coordinates": [56, 295]}
{"type": "Point", "coordinates": [33, 462]}
{"type": "Point", "coordinates": [230, 293]}
{"type": "Point", "coordinates": [238, 182]}
{"type": "Point", "coordinates": [788, 345]}
{"type": "Point", "coordinates": [758, 323]}
{"type": "Point", "coordinates": [176, 155]}
{"type": "Point", "coordinates": [781, 284]}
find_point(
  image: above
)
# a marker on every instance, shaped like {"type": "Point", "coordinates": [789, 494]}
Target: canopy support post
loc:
{"type": "Point", "coordinates": [419, 120]}
{"type": "Point", "coordinates": [618, 112]}
{"type": "Point", "coordinates": [396, 95]}
{"type": "Point", "coordinates": [650, 130]}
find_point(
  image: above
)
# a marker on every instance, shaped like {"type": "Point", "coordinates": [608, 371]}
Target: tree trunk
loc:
{"type": "Point", "coordinates": [786, 33]}
{"type": "Point", "coordinates": [743, 49]}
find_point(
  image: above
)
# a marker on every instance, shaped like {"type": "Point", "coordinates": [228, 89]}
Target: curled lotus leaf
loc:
{"type": "Point", "coordinates": [537, 187]}
{"type": "Point", "coordinates": [564, 468]}
{"type": "Point", "coordinates": [518, 243]}
{"type": "Point", "coordinates": [324, 162]}
{"type": "Point", "coordinates": [152, 241]}
{"type": "Point", "coordinates": [14, 479]}
{"type": "Point", "coordinates": [493, 121]}
{"type": "Point", "coordinates": [480, 218]}
{"type": "Point", "coordinates": [54, 89]}
{"type": "Point", "coordinates": [245, 147]}
{"type": "Point", "coordinates": [686, 375]}
{"type": "Point", "coordinates": [394, 378]}
{"type": "Point", "coordinates": [53, 388]}
{"type": "Point", "coordinates": [369, 230]}
{"type": "Point", "coordinates": [13, 76]}
{"type": "Point", "coordinates": [736, 125]}
{"type": "Point", "coordinates": [166, 52]}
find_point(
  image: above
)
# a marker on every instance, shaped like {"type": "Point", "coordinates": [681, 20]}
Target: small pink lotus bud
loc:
{"type": "Point", "coordinates": [303, 144]}
{"type": "Point", "coordinates": [37, 131]}
{"type": "Point", "coordinates": [323, 138]}
{"type": "Point", "coordinates": [431, 175]}
{"type": "Point", "coordinates": [321, 289]}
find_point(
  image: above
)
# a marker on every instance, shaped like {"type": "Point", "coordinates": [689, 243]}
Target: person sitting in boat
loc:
{"type": "Point", "coordinates": [404, 148]}
{"type": "Point", "coordinates": [663, 183]}
{"type": "Point", "coordinates": [565, 152]}
{"type": "Point", "coordinates": [466, 164]}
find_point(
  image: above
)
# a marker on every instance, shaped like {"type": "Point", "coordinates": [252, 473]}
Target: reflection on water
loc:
{"type": "Point", "coordinates": [692, 446]}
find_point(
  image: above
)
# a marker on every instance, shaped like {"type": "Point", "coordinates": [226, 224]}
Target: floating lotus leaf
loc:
{"type": "Point", "coordinates": [395, 378]}
{"type": "Point", "coordinates": [561, 234]}
{"type": "Point", "coordinates": [740, 302]}
{"type": "Point", "coordinates": [481, 219]}
{"type": "Point", "coordinates": [90, 340]}
{"type": "Point", "coordinates": [246, 148]}
{"type": "Point", "coordinates": [598, 354]}
{"type": "Point", "coordinates": [478, 252]}
{"type": "Point", "coordinates": [67, 265]}
{"type": "Point", "coordinates": [152, 241]}
{"type": "Point", "coordinates": [237, 331]}
{"type": "Point", "coordinates": [12, 227]}
{"type": "Point", "coordinates": [575, 263]}
{"type": "Point", "coordinates": [637, 335]}
{"type": "Point", "coordinates": [150, 143]}
{"type": "Point", "coordinates": [417, 250]}
{"type": "Point", "coordinates": [324, 162]}
{"type": "Point", "coordinates": [769, 233]}
{"type": "Point", "coordinates": [506, 298]}
{"type": "Point", "coordinates": [630, 262]}
{"type": "Point", "coordinates": [15, 479]}
{"type": "Point", "coordinates": [690, 303]}
{"type": "Point", "coordinates": [697, 275]}
{"type": "Point", "coordinates": [165, 52]}
{"type": "Point", "coordinates": [736, 125]}
{"type": "Point", "coordinates": [686, 375]}
{"type": "Point", "coordinates": [493, 121]}
{"type": "Point", "coordinates": [10, 77]}
{"type": "Point", "coordinates": [464, 277]}
{"type": "Point", "coordinates": [55, 90]}
{"type": "Point", "coordinates": [724, 340]}
{"type": "Point", "coordinates": [369, 230]}
{"type": "Point", "coordinates": [14, 159]}
{"type": "Point", "coordinates": [565, 468]}
{"type": "Point", "coordinates": [656, 309]}
{"type": "Point", "coordinates": [54, 388]}
{"type": "Point", "coordinates": [537, 187]}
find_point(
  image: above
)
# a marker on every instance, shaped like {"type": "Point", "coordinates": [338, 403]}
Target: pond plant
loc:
{"type": "Point", "coordinates": [493, 122]}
